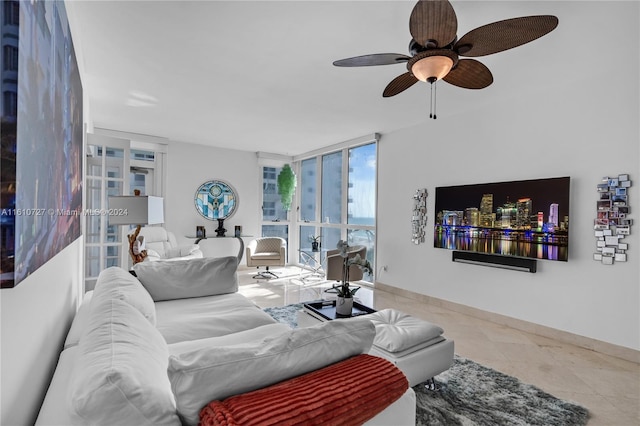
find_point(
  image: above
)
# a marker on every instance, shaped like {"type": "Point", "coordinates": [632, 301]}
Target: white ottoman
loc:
{"type": "Point", "coordinates": [415, 346]}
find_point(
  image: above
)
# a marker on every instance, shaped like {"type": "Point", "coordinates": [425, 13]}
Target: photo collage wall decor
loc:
{"type": "Point", "coordinates": [419, 218]}
{"type": "Point", "coordinates": [612, 223]}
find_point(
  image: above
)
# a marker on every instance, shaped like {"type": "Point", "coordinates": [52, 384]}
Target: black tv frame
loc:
{"type": "Point", "coordinates": [452, 220]}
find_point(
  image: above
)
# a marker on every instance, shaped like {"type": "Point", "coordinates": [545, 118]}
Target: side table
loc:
{"type": "Point", "coordinates": [309, 261]}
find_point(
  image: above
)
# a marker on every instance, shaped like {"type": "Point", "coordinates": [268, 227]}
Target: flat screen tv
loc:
{"type": "Point", "coordinates": [527, 218]}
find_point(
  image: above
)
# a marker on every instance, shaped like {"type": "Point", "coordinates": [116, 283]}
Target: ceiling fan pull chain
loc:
{"type": "Point", "coordinates": [435, 96]}
{"type": "Point", "coordinates": [431, 101]}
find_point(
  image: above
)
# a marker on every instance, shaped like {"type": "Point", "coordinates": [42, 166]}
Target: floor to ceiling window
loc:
{"type": "Point", "coordinates": [338, 199]}
{"type": "Point", "coordinates": [335, 199]}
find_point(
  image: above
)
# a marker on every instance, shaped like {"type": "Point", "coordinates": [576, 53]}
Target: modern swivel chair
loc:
{"type": "Point", "coordinates": [267, 251]}
{"type": "Point", "coordinates": [335, 262]}
{"type": "Point", "coordinates": [162, 245]}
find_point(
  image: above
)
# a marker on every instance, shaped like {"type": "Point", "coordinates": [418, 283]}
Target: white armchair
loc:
{"type": "Point", "coordinates": [267, 251]}
{"type": "Point", "coordinates": [162, 245]}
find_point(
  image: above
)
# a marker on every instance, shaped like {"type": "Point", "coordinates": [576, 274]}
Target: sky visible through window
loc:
{"type": "Point", "coordinates": [362, 188]}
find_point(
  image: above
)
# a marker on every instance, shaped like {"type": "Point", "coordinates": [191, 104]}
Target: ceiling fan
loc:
{"type": "Point", "coordinates": [436, 50]}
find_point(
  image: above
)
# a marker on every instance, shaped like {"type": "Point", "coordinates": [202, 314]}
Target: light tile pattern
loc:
{"type": "Point", "coordinates": [607, 386]}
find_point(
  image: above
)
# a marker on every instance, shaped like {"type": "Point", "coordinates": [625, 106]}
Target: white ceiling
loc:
{"type": "Point", "coordinates": [258, 75]}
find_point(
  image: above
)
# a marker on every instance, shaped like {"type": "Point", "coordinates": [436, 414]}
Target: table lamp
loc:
{"type": "Point", "coordinates": [136, 210]}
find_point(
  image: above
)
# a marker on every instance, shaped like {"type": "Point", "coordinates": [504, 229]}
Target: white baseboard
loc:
{"type": "Point", "coordinates": [606, 348]}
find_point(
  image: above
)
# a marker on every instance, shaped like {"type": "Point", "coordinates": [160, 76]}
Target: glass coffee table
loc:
{"type": "Point", "coordinates": [317, 311]}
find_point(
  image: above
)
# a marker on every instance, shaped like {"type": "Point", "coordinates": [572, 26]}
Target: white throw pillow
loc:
{"type": "Point", "coordinates": [397, 331]}
{"type": "Point", "coordinates": [180, 279]}
{"type": "Point", "coordinates": [121, 372]}
{"type": "Point", "coordinates": [116, 283]}
{"type": "Point", "coordinates": [215, 373]}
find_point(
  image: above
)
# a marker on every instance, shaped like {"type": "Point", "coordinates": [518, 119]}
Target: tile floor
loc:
{"type": "Point", "coordinates": [608, 387]}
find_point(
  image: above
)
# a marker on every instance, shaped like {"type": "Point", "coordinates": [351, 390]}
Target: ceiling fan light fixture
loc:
{"type": "Point", "coordinates": [433, 64]}
{"type": "Point", "coordinates": [432, 68]}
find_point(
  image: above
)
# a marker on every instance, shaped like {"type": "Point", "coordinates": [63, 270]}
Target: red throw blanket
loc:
{"type": "Point", "coordinates": [349, 392]}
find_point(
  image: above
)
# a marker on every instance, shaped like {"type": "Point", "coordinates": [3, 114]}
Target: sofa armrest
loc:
{"type": "Point", "coordinates": [79, 321]}
{"type": "Point", "coordinates": [55, 407]}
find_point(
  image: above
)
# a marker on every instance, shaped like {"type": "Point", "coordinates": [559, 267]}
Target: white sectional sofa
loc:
{"type": "Point", "coordinates": [156, 349]}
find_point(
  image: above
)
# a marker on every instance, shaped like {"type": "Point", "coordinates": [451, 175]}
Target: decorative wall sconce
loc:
{"type": "Point", "coordinates": [612, 223]}
{"type": "Point", "coordinates": [419, 218]}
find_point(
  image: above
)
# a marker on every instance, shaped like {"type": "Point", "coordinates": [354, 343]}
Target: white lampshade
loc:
{"type": "Point", "coordinates": [432, 67]}
{"type": "Point", "coordinates": [136, 210]}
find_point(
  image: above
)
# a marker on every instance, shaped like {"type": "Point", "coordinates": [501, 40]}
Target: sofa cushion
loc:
{"type": "Point", "coordinates": [201, 317]}
{"type": "Point", "coordinates": [267, 255]}
{"type": "Point", "coordinates": [116, 283]}
{"type": "Point", "coordinates": [397, 331]}
{"type": "Point", "coordinates": [185, 278]}
{"type": "Point", "coordinates": [262, 332]}
{"type": "Point", "coordinates": [349, 392]}
{"type": "Point", "coordinates": [120, 375]}
{"type": "Point", "coordinates": [200, 376]}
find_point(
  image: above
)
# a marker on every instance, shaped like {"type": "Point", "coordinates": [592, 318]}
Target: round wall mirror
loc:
{"type": "Point", "coordinates": [216, 200]}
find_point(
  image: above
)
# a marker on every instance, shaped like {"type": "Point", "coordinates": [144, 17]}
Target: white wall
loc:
{"type": "Point", "coordinates": [35, 319]}
{"type": "Point", "coordinates": [584, 125]}
{"type": "Point", "coordinates": [189, 166]}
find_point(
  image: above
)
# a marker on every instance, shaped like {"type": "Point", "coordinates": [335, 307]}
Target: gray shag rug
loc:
{"type": "Point", "coordinates": [471, 394]}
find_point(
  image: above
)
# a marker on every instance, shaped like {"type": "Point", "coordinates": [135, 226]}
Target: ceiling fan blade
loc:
{"type": "Point", "coordinates": [469, 74]}
{"type": "Point", "coordinates": [399, 84]}
{"type": "Point", "coordinates": [375, 59]}
{"type": "Point", "coordinates": [503, 35]}
{"type": "Point", "coordinates": [433, 23]}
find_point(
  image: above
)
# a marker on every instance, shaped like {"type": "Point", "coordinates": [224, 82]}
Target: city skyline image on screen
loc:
{"type": "Point", "coordinates": [528, 218]}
